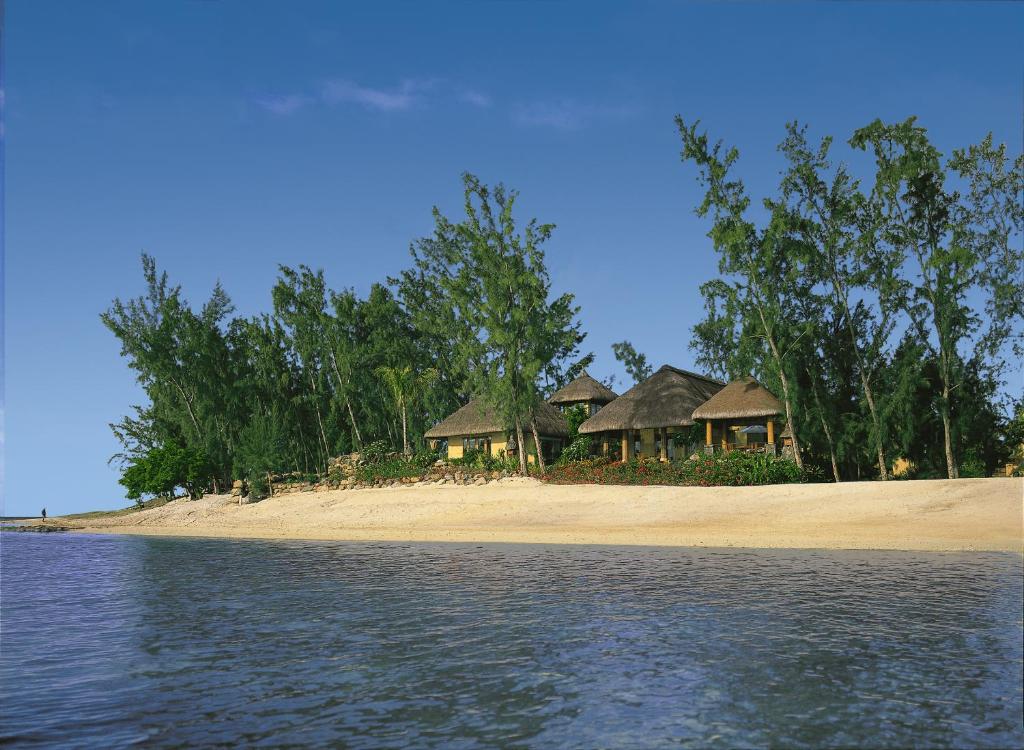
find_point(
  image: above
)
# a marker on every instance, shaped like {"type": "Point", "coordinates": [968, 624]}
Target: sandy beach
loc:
{"type": "Point", "coordinates": [938, 515]}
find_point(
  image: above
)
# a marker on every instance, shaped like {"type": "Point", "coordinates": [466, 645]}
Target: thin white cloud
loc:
{"type": "Point", "coordinates": [475, 98]}
{"type": "Point", "coordinates": [567, 114]}
{"type": "Point", "coordinates": [283, 105]}
{"type": "Point", "coordinates": [408, 94]}
{"type": "Point", "coordinates": [384, 100]}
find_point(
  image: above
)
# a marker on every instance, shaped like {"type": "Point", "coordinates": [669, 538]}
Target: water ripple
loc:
{"type": "Point", "coordinates": [120, 641]}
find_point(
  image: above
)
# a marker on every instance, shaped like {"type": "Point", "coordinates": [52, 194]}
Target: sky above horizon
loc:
{"type": "Point", "coordinates": [225, 138]}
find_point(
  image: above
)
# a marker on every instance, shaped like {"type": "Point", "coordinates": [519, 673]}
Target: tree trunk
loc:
{"type": "Point", "coordinates": [405, 434]}
{"type": "Point", "coordinates": [348, 403]}
{"type": "Point", "coordinates": [536, 444]}
{"type": "Point", "coordinates": [789, 417]}
{"type": "Point", "coordinates": [522, 448]}
{"type": "Point", "coordinates": [319, 419]}
{"type": "Point", "coordinates": [188, 405]}
{"type": "Point", "coordinates": [825, 427]}
{"type": "Point", "coordinates": [392, 438]}
{"type": "Point", "coordinates": [355, 428]}
{"type": "Point", "coordinates": [951, 468]}
{"type": "Point", "coordinates": [785, 389]}
{"type": "Point", "coordinates": [883, 468]}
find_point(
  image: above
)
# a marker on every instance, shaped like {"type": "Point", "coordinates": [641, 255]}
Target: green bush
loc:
{"type": "Point", "coordinates": [476, 459]}
{"type": "Point", "coordinates": [162, 469]}
{"type": "Point", "coordinates": [734, 468]}
{"type": "Point", "coordinates": [578, 450]}
{"type": "Point", "coordinates": [391, 468]}
{"type": "Point", "coordinates": [261, 448]}
{"type": "Point", "coordinates": [738, 468]}
{"type": "Point", "coordinates": [376, 451]}
{"type": "Point", "coordinates": [425, 458]}
{"type": "Point", "coordinates": [259, 486]}
{"type": "Point", "coordinates": [575, 416]}
{"type": "Point", "coordinates": [972, 466]}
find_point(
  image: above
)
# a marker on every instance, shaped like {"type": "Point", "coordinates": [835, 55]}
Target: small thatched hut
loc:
{"type": "Point", "coordinates": [740, 416]}
{"type": "Point", "coordinates": [586, 391]}
{"type": "Point", "coordinates": [476, 427]}
{"type": "Point", "coordinates": [642, 420]}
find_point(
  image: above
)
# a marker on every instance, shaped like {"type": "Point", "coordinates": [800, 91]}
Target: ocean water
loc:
{"type": "Point", "coordinates": [116, 641]}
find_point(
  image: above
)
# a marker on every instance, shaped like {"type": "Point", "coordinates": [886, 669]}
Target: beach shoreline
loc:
{"type": "Point", "coordinates": [932, 515]}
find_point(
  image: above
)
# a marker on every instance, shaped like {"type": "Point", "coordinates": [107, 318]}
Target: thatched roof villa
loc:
{"type": "Point", "coordinates": [476, 426]}
{"type": "Point", "coordinates": [741, 415]}
{"type": "Point", "coordinates": [642, 420]}
{"type": "Point", "coordinates": [585, 391]}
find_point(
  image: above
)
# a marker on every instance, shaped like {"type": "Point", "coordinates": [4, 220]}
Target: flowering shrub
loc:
{"type": "Point", "coordinates": [736, 469]}
{"type": "Point", "coordinates": [577, 450]}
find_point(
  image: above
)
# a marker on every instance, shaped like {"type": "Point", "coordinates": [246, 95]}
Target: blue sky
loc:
{"type": "Point", "coordinates": [227, 137]}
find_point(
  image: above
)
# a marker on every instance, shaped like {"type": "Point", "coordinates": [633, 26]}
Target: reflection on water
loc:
{"type": "Point", "coordinates": [118, 640]}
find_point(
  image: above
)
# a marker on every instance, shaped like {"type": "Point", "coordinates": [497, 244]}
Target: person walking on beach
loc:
{"type": "Point", "coordinates": [44, 514]}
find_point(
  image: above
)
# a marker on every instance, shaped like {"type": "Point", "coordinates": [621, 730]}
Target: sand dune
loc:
{"type": "Point", "coordinates": [966, 514]}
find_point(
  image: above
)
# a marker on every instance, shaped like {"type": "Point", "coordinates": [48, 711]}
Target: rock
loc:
{"type": "Point", "coordinates": [480, 481]}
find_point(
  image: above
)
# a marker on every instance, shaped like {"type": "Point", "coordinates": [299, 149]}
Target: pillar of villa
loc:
{"type": "Point", "coordinates": [664, 444]}
{"type": "Point", "coordinates": [709, 446]}
{"type": "Point", "coordinates": [770, 444]}
{"type": "Point", "coordinates": [627, 445]}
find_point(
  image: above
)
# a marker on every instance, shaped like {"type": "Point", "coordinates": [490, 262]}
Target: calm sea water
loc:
{"type": "Point", "coordinates": [114, 641]}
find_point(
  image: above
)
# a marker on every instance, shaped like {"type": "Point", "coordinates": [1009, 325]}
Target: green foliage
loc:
{"type": "Point", "coordinates": [973, 466]}
{"type": "Point", "coordinates": [390, 468]}
{"type": "Point", "coordinates": [376, 452]}
{"type": "Point", "coordinates": [261, 448]}
{"type": "Point", "coordinates": [881, 313]}
{"type": "Point", "coordinates": [406, 388]}
{"type": "Point", "coordinates": [477, 459]}
{"type": "Point", "coordinates": [634, 362]}
{"type": "Point", "coordinates": [161, 470]}
{"type": "Point", "coordinates": [739, 468]}
{"type": "Point", "coordinates": [687, 436]}
{"type": "Point", "coordinates": [575, 415]}
{"type": "Point", "coordinates": [577, 450]}
{"type": "Point", "coordinates": [258, 486]}
{"type": "Point", "coordinates": [425, 458]}
{"type": "Point", "coordinates": [735, 468]}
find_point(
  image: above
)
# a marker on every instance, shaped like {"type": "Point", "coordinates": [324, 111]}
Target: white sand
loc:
{"type": "Point", "coordinates": [965, 514]}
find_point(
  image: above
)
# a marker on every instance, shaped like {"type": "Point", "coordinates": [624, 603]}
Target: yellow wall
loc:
{"type": "Point", "coordinates": [498, 443]}
{"type": "Point", "coordinates": [647, 439]}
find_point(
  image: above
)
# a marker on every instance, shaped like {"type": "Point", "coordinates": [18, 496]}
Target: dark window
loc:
{"type": "Point", "coordinates": [482, 444]}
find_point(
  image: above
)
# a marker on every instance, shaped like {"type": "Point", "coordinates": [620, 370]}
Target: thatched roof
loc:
{"type": "Point", "coordinates": [584, 389]}
{"type": "Point", "coordinates": [740, 399]}
{"type": "Point", "coordinates": [477, 418]}
{"type": "Point", "coordinates": [666, 399]}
